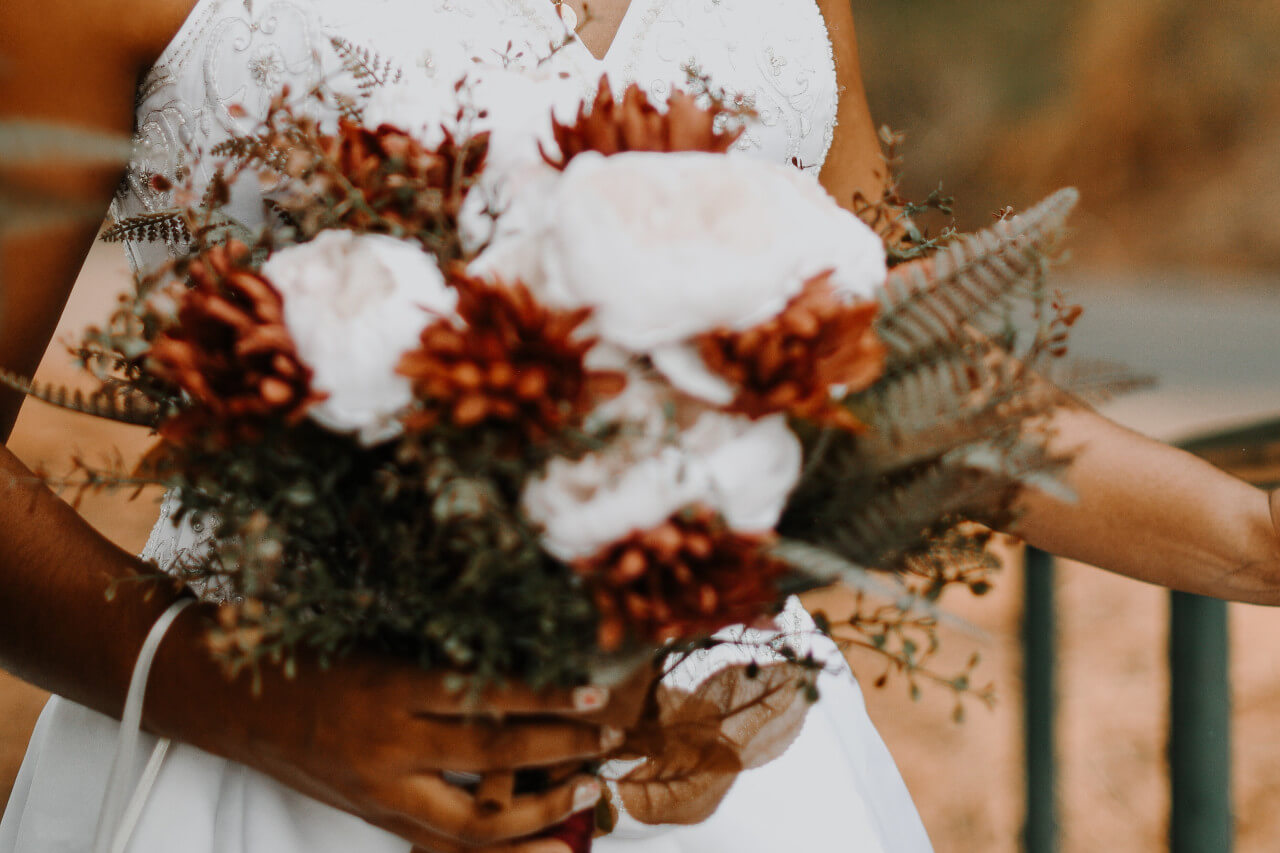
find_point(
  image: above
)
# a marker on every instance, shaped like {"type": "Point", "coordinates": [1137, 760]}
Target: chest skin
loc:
{"type": "Point", "coordinates": [599, 22]}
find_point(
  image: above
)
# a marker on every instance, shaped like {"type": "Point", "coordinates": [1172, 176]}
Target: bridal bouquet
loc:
{"type": "Point", "coordinates": [533, 387]}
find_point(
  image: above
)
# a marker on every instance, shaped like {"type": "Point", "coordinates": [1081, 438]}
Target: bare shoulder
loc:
{"type": "Point", "coordinates": [854, 163]}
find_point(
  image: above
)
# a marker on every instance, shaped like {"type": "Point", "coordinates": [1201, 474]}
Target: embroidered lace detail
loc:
{"type": "Point", "coordinates": [777, 55]}
{"type": "Point", "coordinates": [774, 53]}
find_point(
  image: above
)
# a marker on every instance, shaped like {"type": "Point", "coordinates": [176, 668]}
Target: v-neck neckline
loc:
{"type": "Point", "coordinates": [553, 11]}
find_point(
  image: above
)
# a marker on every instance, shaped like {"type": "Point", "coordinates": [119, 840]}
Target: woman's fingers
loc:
{"type": "Point", "coordinates": [455, 815]}
{"type": "Point", "coordinates": [478, 746]}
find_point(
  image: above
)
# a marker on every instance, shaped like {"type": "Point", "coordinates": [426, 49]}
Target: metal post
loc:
{"type": "Point", "coordinates": [1199, 726]}
{"type": "Point", "coordinates": [1040, 835]}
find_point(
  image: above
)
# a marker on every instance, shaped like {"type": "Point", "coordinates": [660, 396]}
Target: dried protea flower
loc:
{"type": "Point", "coordinates": [688, 577]}
{"type": "Point", "coordinates": [405, 186]}
{"type": "Point", "coordinates": [512, 362]}
{"type": "Point", "coordinates": [791, 363]}
{"type": "Point", "coordinates": [635, 124]}
{"type": "Point", "coordinates": [230, 352]}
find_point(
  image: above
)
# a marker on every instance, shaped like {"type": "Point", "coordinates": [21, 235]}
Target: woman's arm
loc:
{"type": "Point", "coordinates": [855, 162]}
{"type": "Point", "coordinates": [367, 736]}
{"type": "Point", "coordinates": [76, 63]}
{"type": "Point", "coordinates": [1152, 512]}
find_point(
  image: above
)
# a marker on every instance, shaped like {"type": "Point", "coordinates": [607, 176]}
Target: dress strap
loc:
{"type": "Point", "coordinates": [119, 816]}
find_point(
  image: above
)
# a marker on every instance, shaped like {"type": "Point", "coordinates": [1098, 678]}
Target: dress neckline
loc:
{"type": "Point", "coordinates": [551, 12]}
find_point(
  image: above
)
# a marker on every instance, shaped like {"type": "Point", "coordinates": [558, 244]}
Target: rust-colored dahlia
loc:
{"type": "Point", "coordinates": [513, 362]}
{"type": "Point", "coordinates": [230, 352]}
{"type": "Point", "coordinates": [790, 363]}
{"type": "Point", "coordinates": [689, 577]}
{"type": "Point", "coordinates": [403, 182]}
{"type": "Point", "coordinates": [635, 124]}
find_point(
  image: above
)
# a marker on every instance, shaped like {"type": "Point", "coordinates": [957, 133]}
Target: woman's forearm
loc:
{"type": "Point", "coordinates": [58, 629]}
{"type": "Point", "coordinates": [1152, 512]}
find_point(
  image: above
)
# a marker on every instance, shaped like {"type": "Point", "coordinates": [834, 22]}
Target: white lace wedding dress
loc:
{"type": "Point", "coordinates": [836, 789]}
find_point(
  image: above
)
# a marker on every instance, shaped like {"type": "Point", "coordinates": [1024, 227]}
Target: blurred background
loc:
{"type": "Point", "coordinates": [1166, 114]}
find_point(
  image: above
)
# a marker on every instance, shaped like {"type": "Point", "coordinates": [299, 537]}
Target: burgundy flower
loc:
{"type": "Point", "coordinates": [635, 124]}
{"type": "Point", "coordinates": [688, 577]}
{"type": "Point", "coordinates": [230, 352]}
{"type": "Point", "coordinates": [790, 363]}
{"type": "Point", "coordinates": [514, 363]}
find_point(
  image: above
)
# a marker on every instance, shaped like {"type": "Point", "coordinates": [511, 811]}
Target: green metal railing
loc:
{"type": "Point", "coordinates": [1039, 670]}
{"type": "Point", "coordinates": [1200, 819]}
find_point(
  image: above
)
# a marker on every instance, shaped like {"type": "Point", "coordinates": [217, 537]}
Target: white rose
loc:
{"type": "Point", "coordinates": [354, 305]}
{"type": "Point", "coordinates": [743, 469]}
{"type": "Point", "coordinates": [668, 246]}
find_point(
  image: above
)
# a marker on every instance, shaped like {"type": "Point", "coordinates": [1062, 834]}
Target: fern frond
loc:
{"type": "Point", "coordinates": [930, 410]}
{"type": "Point", "coordinates": [1097, 382]}
{"type": "Point", "coordinates": [165, 226]}
{"type": "Point", "coordinates": [281, 213]}
{"type": "Point", "coordinates": [368, 68]}
{"type": "Point", "coordinates": [247, 150]}
{"type": "Point", "coordinates": [898, 519]}
{"type": "Point", "coordinates": [880, 519]}
{"type": "Point", "coordinates": [112, 403]}
{"type": "Point", "coordinates": [928, 302]}
{"type": "Point", "coordinates": [920, 394]}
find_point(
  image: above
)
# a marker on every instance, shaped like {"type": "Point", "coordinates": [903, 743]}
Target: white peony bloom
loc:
{"type": "Point", "coordinates": [752, 466]}
{"type": "Point", "coordinates": [743, 469]}
{"type": "Point", "coordinates": [669, 246]}
{"type": "Point", "coordinates": [354, 305]}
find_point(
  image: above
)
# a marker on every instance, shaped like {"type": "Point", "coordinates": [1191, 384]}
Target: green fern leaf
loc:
{"type": "Point", "coordinates": [166, 226]}
{"type": "Point", "coordinates": [110, 403]}
{"type": "Point", "coordinates": [929, 302]}
{"type": "Point", "coordinates": [368, 68]}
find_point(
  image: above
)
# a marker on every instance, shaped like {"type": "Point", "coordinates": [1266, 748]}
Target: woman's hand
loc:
{"type": "Point", "coordinates": [375, 737]}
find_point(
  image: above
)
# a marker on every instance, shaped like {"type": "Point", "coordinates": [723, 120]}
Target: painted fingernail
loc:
{"type": "Point", "coordinates": [611, 738]}
{"type": "Point", "coordinates": [590, 698]}
{"type": "Point", "coordinates": [585, 796]}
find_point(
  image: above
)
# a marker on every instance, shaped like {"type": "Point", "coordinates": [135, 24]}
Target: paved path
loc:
{"type": "Point", "coordinates": [1213, 348]}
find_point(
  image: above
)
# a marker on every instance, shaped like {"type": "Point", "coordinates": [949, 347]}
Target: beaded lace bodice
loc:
{"type": "Point", "coordinates": [231, 56]}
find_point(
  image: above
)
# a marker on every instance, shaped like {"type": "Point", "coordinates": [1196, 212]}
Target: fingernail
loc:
{"type": "Point", "coordinates": [585, 796]}
{"type": "Point", "coordinates": [611, 738]}
{"type": "Point", "coordinates": [590, 698]}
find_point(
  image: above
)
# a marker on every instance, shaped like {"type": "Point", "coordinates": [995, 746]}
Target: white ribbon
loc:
{"type": "Point", "coordinates": [120, 810]}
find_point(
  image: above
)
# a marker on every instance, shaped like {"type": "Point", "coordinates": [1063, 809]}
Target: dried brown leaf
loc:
{"type": "Point", "coordinates": [684, 785]}
{"type": "Point", "coordinates": [758, 709]}
{"type": "Point", "coordinates": [742, 717]}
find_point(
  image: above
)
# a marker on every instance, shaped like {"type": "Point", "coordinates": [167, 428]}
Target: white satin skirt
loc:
{"type": "Point", "coordinates": [835, 789]}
